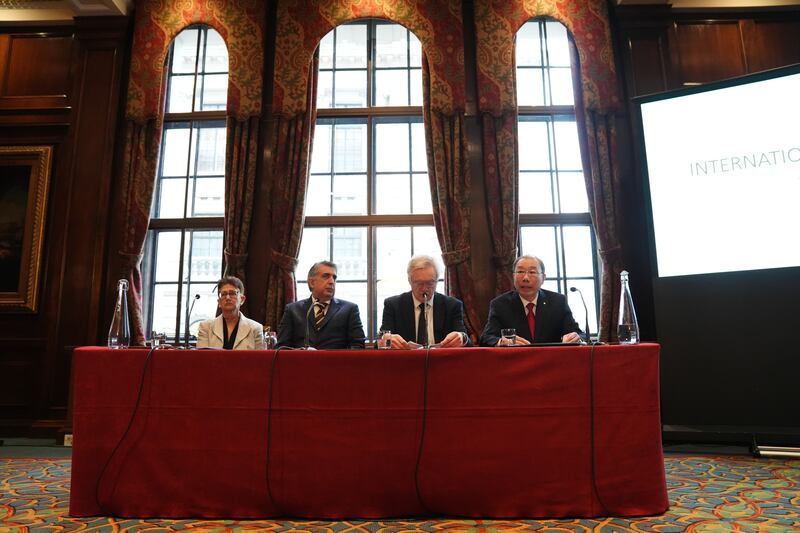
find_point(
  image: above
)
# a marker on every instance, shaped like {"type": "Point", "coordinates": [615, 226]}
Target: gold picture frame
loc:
{"type": "Point", "coordinates": [24, 182]}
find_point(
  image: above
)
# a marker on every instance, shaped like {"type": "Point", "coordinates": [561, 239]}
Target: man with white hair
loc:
{"type": "Point", "coordinates": [422, 315]}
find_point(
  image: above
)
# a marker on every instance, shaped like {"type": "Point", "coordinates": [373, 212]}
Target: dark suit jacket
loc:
{"type": "Point", "coordinates": [553, 318]}
{"type": "Point", "coordinates": [341, 328]}
{"type": "Point", "coordinates": [398, 316]}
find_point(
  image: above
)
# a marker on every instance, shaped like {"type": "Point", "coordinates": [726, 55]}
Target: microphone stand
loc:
{"type": "Point", "coordinates": [585, 312]}
{"type": "Point", "coordinates": [188, 315]}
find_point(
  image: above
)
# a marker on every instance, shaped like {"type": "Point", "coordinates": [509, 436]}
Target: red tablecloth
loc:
{"type": "Point", "coordinates": [505, 432]}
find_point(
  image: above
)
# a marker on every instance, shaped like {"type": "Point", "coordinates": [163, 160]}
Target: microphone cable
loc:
{"type": "Point", "coordinates": [422, 432]}
{"type": "Point", "coordinates": [273, 367]}
{"type": "Point", "coordinates": [592, 425]}
{"type": "Point", "coordinates": [135, 410]}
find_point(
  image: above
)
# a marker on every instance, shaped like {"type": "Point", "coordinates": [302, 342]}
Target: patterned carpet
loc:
{"type": "Point", "coordinates": [707, 494]}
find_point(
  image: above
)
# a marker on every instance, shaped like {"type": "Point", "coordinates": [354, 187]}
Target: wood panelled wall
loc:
{"type": "Point", "coordinates": [660, 49]}
{"type": "Point", "coordinates": [60, 86]}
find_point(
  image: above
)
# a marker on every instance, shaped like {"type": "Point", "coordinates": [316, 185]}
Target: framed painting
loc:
{"type": "Point", "coordinates": [24, 181]}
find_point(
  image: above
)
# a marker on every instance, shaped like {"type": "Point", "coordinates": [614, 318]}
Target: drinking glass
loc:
{"type": "Point", "coordinates": [509, 336]}
{"type": "Point", "coordinates": [157, 339]}
{"type": "Point", "coordinates": [270, 339]}
{"type": "Point", "coordinates": [384, 340]}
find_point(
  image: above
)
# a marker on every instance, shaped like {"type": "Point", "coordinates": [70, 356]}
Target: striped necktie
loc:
{"type": "Point", "coordinates": [319, 313]}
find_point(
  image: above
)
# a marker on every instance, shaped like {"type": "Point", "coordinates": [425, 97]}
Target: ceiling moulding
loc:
{"type": "Point", "coordinates": [26, 11]}
{"type": "Point", "coordinates": [710, 4]}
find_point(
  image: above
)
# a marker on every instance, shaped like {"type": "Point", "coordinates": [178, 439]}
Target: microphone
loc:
{"type": "Point", "coordinates": [585, 311]}
{"type": "Point", "coordinates": [188, 315]}
{"type": "Point", "coordinates": [308, 318]}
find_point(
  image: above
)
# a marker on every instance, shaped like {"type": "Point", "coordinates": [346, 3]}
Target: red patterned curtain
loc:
{"type": "Point", "coordinates": [240, 177]}
{"type": "Point", "coordinates": [497, 22]}
{"type": "Point", "coordinates": [451, 187]}
{"type": "Point", "coordinates": [241, 25]}
{"type": "Point", "coordinates": [292, 136]}
{"type": "Point", "coordinates": [438, 25]}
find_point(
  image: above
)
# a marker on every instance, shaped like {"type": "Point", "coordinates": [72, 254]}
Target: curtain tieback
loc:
{"type": "Point", "coordinates": [456, 257]}
{"type": "Point", "coordinates": [235, 261]}
{"type": "Point", "coordinates": [283, 261]}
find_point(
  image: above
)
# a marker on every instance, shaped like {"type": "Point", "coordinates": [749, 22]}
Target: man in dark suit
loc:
{"type": "Point", "coordinates": [441, 322]}
{"type": "Point", "coordinates": [321, 321]}
{"type": "Point", "coordinates": [537, 315]}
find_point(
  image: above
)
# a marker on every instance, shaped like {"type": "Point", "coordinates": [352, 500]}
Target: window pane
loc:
{"type": "Point", "coordinates": [165, 307]}
{"type": "Point", "coordinates": [530, 86]}
{"type": "Point", "coordinates": [426, 242]}
{"type": "Point", "coordinates": [179, 99]}
{"type": "Point", "coordinates": [212, 92]}
{"type": "Point", "coordinates": [350, 252]}
{"type": "Point", "coordinates": [351, 46]}
{"type": "Point", "coordinates": [561, 86]}
{"type": "Point", "coordinates": [350, 194]}
{"type": "Point", "coordinates": [534, 146]}
{"type": "Point", "coordinates": [318, 195]}
{"type": "Point", "coordinates": [184, 51]}
{"type": "Point", "coordinates": [535, 192]}
{"type": "Point", "coordinates": [415, 48]}
{"type": "Point", "coordinates": [211, 150]}
{"type": "Point", "coordinates": [392, 194]}
{"type": "Point", "coordinates": [325, 90]}
{"type": "Point", "coordinates": [321, 153]}
{"type": "Point", "coordinates": [326, 51]}
{"type": "Point", "coordinates": [391, 45]}
{"type": "Point", "coordinates": [216, 53]}
{"type": "Point", "coordinates": [419, 158]}
{"type": "Point", "coordinates": [392, 147]}
{"type": "Point", "coordinates": [350, 148]}
{"type": "Point", "coordinates": [172, 198]}
{"type": "Point", "coordinates": [314, 246]}
{"type": "Point", "coordinates": [572, 192]}
{"type": "Point", "coordinates": [528, 45]}
{"type": "Point", "coordinates": [175, 155]}
{"type": "Point", "coordinates": [206, 257]}
{"type": "Point", "coordinates": [167, 255]}
{"type": "Point", "coordinates": [557, 45]}
{"type": "Point", "coordinates": [541, 241]}
{"type": "Point", "coordinates": [416, 87]}
{"type": "Point", "coordinates": [421, 194]}
{"type": "Point", "coordinates": [392, 252]}
{"type": "Point", "coordinates": [587, 288]}
{"type": "Point", "coordinates": [391, 88]}
{"type": "Point", "coordinates": [209, 197]}
{"type": "Point", "coordinates": [351, 88]}
{"type": "Point", "coordinates": [205, 308]}
{"type": "Point", "coordinates": [578, 251]}
{"type": "Point", "coordinates": [568, 150]}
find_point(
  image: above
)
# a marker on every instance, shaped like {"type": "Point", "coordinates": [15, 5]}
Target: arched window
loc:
{"type": "Point", "coordinates": [368, 205]}
{"type": "Point", "coordinates": [183, 251]}
{"type": "Point", "coordinates": [554, 209]}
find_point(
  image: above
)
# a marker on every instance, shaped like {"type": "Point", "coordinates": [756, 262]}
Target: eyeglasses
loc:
{"type": "Point", "coordinates": [228, 294]}
{"type": "Point", "coordinates": [431, 283]}
{"type": "Point", "coordinates": [530, 273]}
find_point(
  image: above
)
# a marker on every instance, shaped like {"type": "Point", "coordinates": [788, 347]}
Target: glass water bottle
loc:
{"type": "Point", "coordinates": [627, 327]}
{"type": "Point", "coordinates": [119, 334]}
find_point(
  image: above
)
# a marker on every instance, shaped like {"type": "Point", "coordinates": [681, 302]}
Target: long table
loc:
{"type": "Point", "coordinates": [478, 432]}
